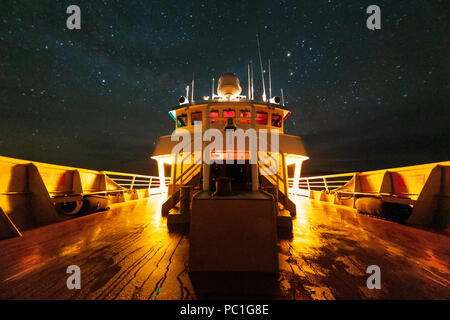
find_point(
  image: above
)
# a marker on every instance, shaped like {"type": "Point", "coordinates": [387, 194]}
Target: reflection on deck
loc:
{"type": "Point", "coordinates": [127, 253]}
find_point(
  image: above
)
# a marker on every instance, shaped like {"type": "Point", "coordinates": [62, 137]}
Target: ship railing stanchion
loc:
{"type": "Point", "coordinates": [325, 184]}
{"type": "Point", "coordinates": [132, 182]}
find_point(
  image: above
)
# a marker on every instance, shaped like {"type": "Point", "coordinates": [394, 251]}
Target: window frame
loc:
{"type": "Point", "coordinates": [266, 118]}
{"type": "Point", "coordinates": [186, 123]}
{"type": "Point", "coordinates": [196, 112]}
{"type": "Point", "coordinates": [280, 119]}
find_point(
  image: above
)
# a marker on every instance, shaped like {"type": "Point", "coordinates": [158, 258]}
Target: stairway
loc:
{"type": "Point", "coordinates": [266, 181]}
{"type": "Point", "coordinates": [171, 202]}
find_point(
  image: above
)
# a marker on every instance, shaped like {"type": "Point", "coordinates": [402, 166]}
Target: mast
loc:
{"type": "Point", "coordinates": [262, 72]}
{"type": "Point", "coordinates": [270, 83]}
{"type": "Point", "coordinates": [192, 97]}
{"type": "Point", "coordinates": [251, 69]}
{"type": "Point", "coordinates": [249, 86]}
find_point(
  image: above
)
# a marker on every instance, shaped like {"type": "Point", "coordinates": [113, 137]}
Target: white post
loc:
{"type": "Point", "coordinates": [132, 182]}
{"type": "Point", "coordinates": [298, 165]}
{"type": "Point", "coordinates": [161, 173]}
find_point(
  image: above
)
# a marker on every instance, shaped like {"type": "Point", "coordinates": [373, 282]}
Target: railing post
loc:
{"type": "Point", "coordinates": [132, 182]}
{"type": "Point", "coordinates": [307, 182]}
{"type": "Point", "coordinates": [150, 182]}
{"type": "Point", "coordinates": [325, 183]}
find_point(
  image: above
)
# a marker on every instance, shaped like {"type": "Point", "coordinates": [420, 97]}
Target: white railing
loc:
{"type": "Point", "coordinates": [137, 181]}
{"type": "Point", "coordinates": [319, 183]}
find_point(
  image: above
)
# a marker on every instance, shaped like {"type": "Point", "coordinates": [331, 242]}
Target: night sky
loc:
{"type": "Point", "coordinates": [98, 97]}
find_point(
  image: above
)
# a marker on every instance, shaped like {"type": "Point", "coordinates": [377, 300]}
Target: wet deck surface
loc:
{"type": "Point", "coordinates": [127, 253]}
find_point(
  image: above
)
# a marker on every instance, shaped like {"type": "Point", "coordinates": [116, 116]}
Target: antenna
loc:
{"type": "Point", "coordinates": [262, 72]}
{"type": "Point", "coordinates": [251, 68]}
{"type": "Point", "coordinates": [270, 83]}
{"type": "Point", "coordinates": [187, 92]}
{"type": "Point", "coordinates": [193, 82]}
{"type": "Point", "coordinates": [282, 96]}
{"type": "Point", "coordinates": [249, 86]}
{"type": "Point", "coordinates": [212, 91]}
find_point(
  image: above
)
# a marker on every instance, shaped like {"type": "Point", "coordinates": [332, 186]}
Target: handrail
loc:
{"type": "Point", "coordinates": [328, 183]}
{"type": "Point", "coordinates": [188, 170]}
{"type": "Point", "coordinates": [329, 176]}
{"type": "Point", "coordinates": [131, 183]}
{"type": "Point", "coordinates": [126, 174]}
{"type": "Point", "coordinates": [319, 183]}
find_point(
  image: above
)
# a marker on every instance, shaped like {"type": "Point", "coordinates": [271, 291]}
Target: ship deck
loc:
{"type": "Point", "coordinates": [128, 253]}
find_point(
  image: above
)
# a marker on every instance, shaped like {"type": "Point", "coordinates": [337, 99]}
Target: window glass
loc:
{"type": "Point", "coordinates": [245, 114]}
{"type": "Point", "coordinates": [276, 120]}
{"type": "Point", "coordinates": [229, 113]}
{"type": "Point", "coordinates": [196, 116]}
{"type": "Point", "coordinates": [261, 117]}
{"type": "Point", "coordinates": [214, 114]}
{"type": "Point", "coordinates": [182, 120]}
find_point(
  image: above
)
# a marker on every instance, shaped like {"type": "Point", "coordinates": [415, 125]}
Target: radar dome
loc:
{"type": "Point", "coordinates": [229, 86]}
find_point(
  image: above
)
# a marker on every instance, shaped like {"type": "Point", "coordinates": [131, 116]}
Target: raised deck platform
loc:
{"type": "Point", "coordinates": [128, 253]}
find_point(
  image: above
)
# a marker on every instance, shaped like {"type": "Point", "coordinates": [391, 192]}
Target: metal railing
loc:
{"type": "Point", "coordinates": [320, 183]}
{"type": "Point", "coordinates": [136, 181]}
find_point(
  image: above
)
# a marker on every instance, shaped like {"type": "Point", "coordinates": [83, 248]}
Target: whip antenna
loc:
{"type": "Point", "coordinates": [249, 86]}
{"type": "Point", "coordinates": [262, 72]}
{"type": "Point", "coordinates": [251, 69]}
{"type": "Point", "coordinates": [270, 83]}
{"type": "Point", "coordinates": [192, 98]}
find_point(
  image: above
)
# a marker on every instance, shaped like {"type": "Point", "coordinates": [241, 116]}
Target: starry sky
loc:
{"type": "Point", "coordinates": [98, 97]}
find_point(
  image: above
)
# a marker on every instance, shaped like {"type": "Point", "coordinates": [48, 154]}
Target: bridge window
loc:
{"type": "Point", "coordinates": [182, 120]}
{"type": "Point", "coordinates": [229, 113]}
{"type": "Point", "coordinates": [245, 114]}
{"type": "Point", "coordinates": [196, 116]}
{"type": "Point", "coordinates": [276, 120]}
{"type": "Point", "coordinates": [214, 114]}
{"type": "Point", "coordinates": [261, 118]}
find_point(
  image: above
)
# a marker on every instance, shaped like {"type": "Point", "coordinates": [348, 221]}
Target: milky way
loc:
{"type": "Point", "coordinates": [98, 97]}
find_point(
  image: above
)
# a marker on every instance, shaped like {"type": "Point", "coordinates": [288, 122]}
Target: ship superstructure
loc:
{"type": "Point", "coordinates": [231, 182]}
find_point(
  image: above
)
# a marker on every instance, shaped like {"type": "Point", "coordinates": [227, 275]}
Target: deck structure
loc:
{"type": "Point", "coordinates": [128, 253]}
